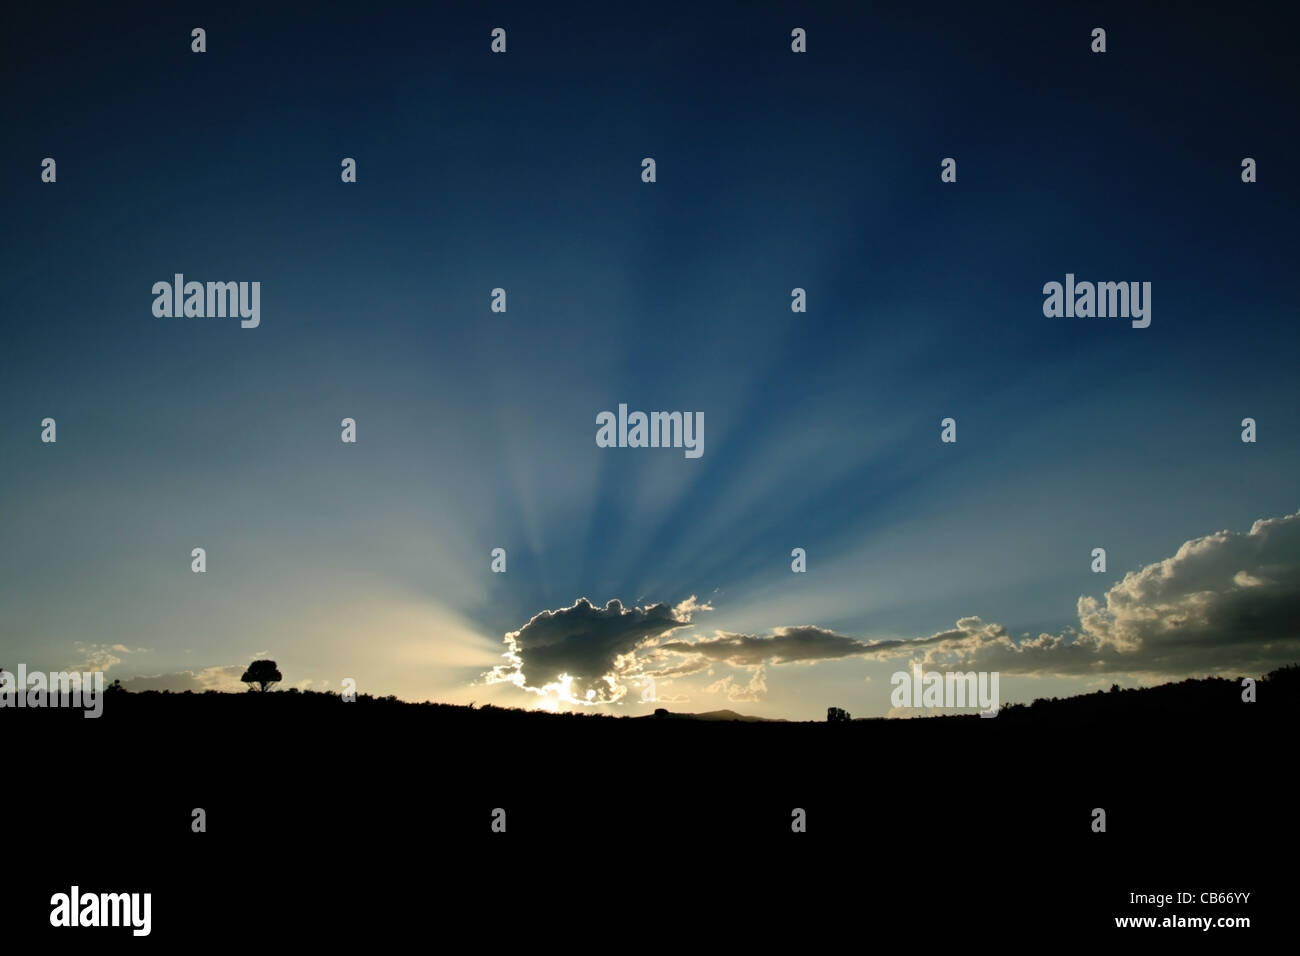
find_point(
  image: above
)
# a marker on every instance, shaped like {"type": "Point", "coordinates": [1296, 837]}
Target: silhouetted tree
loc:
{"type": "Point", "coordinates": [261, 675]}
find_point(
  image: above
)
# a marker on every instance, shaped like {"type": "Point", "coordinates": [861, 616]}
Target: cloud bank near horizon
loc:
{"type": "Point", "coordinates": [1224, 602]}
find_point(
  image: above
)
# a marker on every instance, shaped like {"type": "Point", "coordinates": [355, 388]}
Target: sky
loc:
{"type": "Point", "coordinates": [476, 429]}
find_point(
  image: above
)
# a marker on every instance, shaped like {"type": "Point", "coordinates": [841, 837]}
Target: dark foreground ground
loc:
{"type": "Point", "coordinates": [356, 823]}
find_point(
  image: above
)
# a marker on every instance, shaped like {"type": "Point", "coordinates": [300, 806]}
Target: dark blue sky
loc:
{"type": "Point", "coordinates": [476, 430]}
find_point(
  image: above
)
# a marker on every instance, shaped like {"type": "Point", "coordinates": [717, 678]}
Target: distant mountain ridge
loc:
{"type": "Point", "coordinates": [663, 714]}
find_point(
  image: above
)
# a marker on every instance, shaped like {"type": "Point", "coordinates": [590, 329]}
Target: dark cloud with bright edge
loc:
{"type": "Point", "coordinates": [582, 652]}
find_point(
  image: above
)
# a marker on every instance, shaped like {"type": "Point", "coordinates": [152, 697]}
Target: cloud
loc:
{"type": "Point", "coordinates": [742, 693]}
{"type": "Point", "coordinates": [785, 645]}
{"type": "Point", "coordinates": [1225, 603]}
{"type": "Point", "coordinates": [689, 607]}
{"type": "Point", "coordinates": [99, 657]}
{"type": "Point", "coordinates": [804, 643]}
{"type": "Point", "coordinates": [222, 678]}
{"type": "Point", "coordinates": [581, 654]}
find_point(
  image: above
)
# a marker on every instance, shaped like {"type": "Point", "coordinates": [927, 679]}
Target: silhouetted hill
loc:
{"type": "Point", "coordinates": [1192, 780]}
